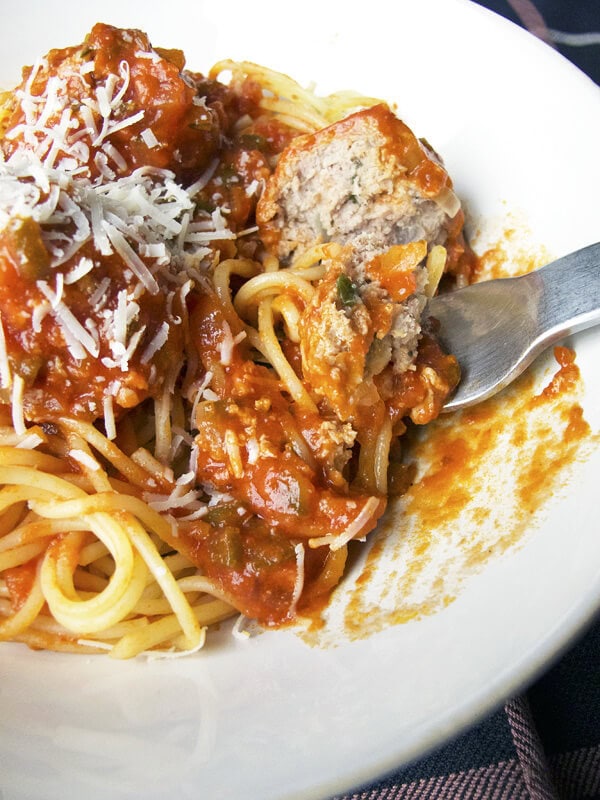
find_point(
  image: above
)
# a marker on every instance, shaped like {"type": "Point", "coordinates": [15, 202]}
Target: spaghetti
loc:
{"type": "Point", "coordinates": [195, 420]}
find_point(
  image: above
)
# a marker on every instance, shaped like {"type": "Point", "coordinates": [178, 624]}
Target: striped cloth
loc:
{"type": "Point", "coordinates": [545, 744]}
{"type": "Point", "coordinates": [571, 26]}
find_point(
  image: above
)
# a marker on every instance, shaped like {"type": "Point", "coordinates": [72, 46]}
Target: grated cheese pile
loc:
{"type": "Point", "coordinates": [66, 174]}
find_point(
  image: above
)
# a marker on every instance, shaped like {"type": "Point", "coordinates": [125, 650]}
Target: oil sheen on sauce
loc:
{"type": "Point", "coordinates": [483, 478]}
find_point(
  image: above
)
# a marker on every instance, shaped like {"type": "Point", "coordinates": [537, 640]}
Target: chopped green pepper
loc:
{"type": "Point", "coordinates": [253, 141]}
{"type": "Point", "coordinates": [202, 204]}
{"type": "Point", "coordinates": [28, 252]}
{"type": "Point", "coordinates": [205, 123]}
{"type": "Point", "coordinates": [347, 290]}
{"type": "Point", "coordinates": [226, 547]}
{"type": "Point", "coordinates": [223, 514]}
{"type": "Point", "coordinates": [229, 174]}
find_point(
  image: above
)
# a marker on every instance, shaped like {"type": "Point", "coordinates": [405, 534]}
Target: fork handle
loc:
{"type": "Point", "coordinates": [568, 293]}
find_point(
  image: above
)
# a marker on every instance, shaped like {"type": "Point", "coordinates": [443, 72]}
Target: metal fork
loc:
{"type": "Point", "coordinates": [497, 328]}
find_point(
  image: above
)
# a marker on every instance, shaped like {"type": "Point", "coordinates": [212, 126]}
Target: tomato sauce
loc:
{"type": "Point", "coordinates": [253, 563]}
{"type": "Point", "coordinates": [277, 497]}
{"type": "Point", "coordinates": [180, 121]}
{"type": "Point", "coordinates": [19, 581]}
{"type": "Point", "coordinates": [480, 480]}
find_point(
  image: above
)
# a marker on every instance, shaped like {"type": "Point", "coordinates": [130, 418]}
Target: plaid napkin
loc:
{"type": "Point", "coordinates": [544, 744]}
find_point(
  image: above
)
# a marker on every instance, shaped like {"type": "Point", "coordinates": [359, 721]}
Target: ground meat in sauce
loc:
{"type": "Point", "coordinates": [355, 325]}
{"type": "Point", "coordinates": [247, 441]}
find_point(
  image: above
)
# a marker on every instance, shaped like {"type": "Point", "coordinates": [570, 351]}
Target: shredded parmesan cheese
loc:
{"type": "Point", "coordinates": [226, 345]}
{"type": "Point", "coordinates": [131, 258]}
{"type": "Point", "coordinates": [245, 628]}
{"type": "Point", "coordinates": [157, 342]}
{"type": "Point", "coordinates": [253, 450]}
{"type": "Point", "coordinates": [204, 178]}
{"type": "Point", "coordinates": [85, 459]}
{"type": "Point", "coordinates": [5, 374]}
{"type": "Point", "coordinates": [109, 417]}
{"type": "Point", "coordinates": [84, 266]}
{"type": "Point", "coordinates": [18, 415]}
{"type": "Point", "coordinates": [157, 655]}
{"type": "Point", "coordinates": [30, 441]}
{"type": "Point", "coordinates": [232, 448]}
{"type": "Point", "coordinates": [299, 582]}
{"type": "Point", "coordinates": [149, 139]}
{"type": "Point", "coordinates": [334, 541]}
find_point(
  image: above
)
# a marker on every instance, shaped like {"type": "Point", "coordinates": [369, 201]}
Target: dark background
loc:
{"type": "Point", "coordinates": [560, 17]}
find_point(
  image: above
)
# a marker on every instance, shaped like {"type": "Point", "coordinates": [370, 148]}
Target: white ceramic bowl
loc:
{"type": "Point", "coordinates": [272, 717]}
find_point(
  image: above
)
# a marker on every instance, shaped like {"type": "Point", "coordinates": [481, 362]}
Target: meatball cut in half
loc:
{"type": "Point", "coordinates": [368, 176]}
{"type": "Point", "coordinates": [384, 203]}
